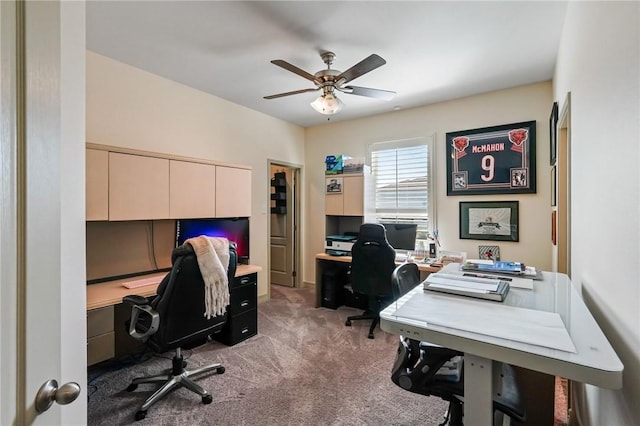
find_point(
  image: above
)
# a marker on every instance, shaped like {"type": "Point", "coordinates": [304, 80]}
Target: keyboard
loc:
{"type": "Point", "coordinates": [142, 282]}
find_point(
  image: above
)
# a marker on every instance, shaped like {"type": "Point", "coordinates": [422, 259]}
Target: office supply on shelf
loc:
{"type": "Point", "coordinates": [142, 282]}
{"type": "Point", "coordinates": [339, 244]}
{"type": "Point", "coordinates": [481, 288]}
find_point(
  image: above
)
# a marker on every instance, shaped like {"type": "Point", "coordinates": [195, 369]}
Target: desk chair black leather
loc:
{"type": "Point", "coordinates": [372, 263]}
{"type": "Point", "coordinates": [417, 364]}
{"type": "Point", "coordinates": [175, 319]}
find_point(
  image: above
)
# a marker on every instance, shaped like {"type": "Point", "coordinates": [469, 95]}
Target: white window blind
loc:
{"type": "Point", "coordinates": [402, 182]}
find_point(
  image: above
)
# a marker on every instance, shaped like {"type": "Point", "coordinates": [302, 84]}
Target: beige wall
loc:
{"type": "Point", "coordinates": [531, 102]}
{"type": "Point", "coordinates": [601, 70]}
{"type": "Point", "coordinates": [131, 108]}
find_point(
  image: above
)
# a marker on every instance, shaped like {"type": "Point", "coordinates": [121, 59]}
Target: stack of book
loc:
{"type": "Point", "coordinates": [500, 267]}
{"type": "Point", "coordinates": [481, 288]}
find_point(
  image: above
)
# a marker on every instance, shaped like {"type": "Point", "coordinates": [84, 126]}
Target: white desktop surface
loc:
{"type": "Point", "coordinates": [594, 362]}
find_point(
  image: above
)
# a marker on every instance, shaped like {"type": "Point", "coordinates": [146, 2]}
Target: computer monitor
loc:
{"type": "Point", "coordinates": [236, 230]}
{"type": "Point", "coordinates": [401, 236]}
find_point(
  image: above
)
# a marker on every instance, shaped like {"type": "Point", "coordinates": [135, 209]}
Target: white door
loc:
{"type": "Point", "coordinates": [42, 243]}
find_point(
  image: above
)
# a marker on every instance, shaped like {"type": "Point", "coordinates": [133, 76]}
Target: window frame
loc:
{"type": "Point", "coordinates": [429, 141]}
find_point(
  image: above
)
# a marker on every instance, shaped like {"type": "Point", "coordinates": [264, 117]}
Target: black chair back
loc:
{"type": "Point", "coordinates": [404, 279]}
{"type": "Point", "coordinates": [372, 261]}
{"type": "Point", "coordinates": [180, 302]}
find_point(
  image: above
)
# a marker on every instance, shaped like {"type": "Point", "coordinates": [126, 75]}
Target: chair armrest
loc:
{"type": "Point", "coordinates": [134, 299]}
{"type": "Point", "coordinates": [144, 319]}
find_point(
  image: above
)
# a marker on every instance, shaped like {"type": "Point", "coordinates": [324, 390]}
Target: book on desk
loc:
{"type": "Point", "coordinates": [479, 288]}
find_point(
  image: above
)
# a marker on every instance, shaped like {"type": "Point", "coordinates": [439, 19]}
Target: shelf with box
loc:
{"type": "Point", "coordinates": [279, 194]}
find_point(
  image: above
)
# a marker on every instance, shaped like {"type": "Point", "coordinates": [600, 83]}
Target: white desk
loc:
{"type": "Point", "coordinates": [594, 362]}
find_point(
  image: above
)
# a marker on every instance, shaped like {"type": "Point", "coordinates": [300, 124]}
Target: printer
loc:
{"type": "Point", "coordinates": [339, 245]}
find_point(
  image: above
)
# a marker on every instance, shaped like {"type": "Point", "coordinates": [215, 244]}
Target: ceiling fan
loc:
{"type": "Point", "coordinates": [329, 80]}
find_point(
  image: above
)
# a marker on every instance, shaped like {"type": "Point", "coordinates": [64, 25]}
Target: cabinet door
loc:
{"type": "Point", "coordinates": [192, 189]}
{"type": "Point", "coordinates": [333, 204]}
{"type": "Point", "coordinates": [138, 187]}
{"type": "Point", "coordinates": [97, 184]}
{"type": "Point", "coordinates": [233, 192]}
{"type": "Point", "coordinates": [353, 196]}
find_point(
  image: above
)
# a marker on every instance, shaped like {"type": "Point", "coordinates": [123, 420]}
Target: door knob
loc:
{"type": "Point", "coordinates": [50, 392]}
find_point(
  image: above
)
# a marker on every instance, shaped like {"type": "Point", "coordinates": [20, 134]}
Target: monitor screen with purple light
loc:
{"type": "Point", "coordinates": [236, 230]}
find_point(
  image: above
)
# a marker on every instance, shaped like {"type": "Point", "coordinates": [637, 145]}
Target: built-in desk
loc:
{"type": "Point", "coordinates": [111, 293]}
{"type": "Point", "coordinates": [323, 259]}
{"type": "Point", "coordinates": [105, 313]}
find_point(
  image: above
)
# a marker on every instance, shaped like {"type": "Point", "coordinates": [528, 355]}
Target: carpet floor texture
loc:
{"type": "Point", "coordinates": [304, 367]}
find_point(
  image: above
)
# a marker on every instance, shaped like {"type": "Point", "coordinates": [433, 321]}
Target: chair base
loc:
{"type": "Point", "coordinates": [365, 316]}
{"type": "Point", "coordinates": [173, 379]}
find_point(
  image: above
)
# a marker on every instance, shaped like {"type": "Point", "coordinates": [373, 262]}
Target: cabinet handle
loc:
{"type": "Point", "coordinates": [244, 303]}
{"type": "Point", "coordinates": [245, 330]}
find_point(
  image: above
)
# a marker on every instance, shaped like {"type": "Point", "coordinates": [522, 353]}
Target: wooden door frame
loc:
{"type": "Point", "coordinates": [297, 170]}
{"type": "Point", "coordinates": [564, 189]}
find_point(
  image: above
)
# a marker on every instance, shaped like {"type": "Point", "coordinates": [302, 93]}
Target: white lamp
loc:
{"type": "Point", "coordinates": [327, 104]}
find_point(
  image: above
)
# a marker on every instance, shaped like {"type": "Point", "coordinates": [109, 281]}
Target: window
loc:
{"type": "Point", "coordinates": [402, 175]}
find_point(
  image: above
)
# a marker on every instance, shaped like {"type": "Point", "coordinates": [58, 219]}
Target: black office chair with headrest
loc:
{"type": "Point", "coordinates": [372, 262]}
{"type": "Point", "coordinates": [174, 319]}
{"type": "Point", "coordinates": [433, 370]}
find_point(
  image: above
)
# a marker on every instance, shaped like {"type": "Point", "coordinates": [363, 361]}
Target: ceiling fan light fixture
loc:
{"type": "Point", "coordinates": [327, 104]}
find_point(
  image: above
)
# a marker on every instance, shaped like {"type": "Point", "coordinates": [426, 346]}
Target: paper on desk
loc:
{"type": "Point", "coordinates": [480, 261]}
{"type": "Point", "coordinates": [539, 328]}
{"type": "Point", "coordinates": [514, 282]}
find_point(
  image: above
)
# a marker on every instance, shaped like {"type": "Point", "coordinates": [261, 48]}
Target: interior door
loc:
{"type": "Point", "coordinates": [42, 296]}
{"type": "Point", "coordinates": [283, 230]}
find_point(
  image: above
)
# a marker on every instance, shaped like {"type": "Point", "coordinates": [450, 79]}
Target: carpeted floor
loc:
{"type": "Point", "coordinates": [303, 367]}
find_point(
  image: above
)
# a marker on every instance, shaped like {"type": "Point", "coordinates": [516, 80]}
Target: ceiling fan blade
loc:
{"type": "Point", "coordinates": [289, 67]}
{"type": "Point", "coordinates": [386, 95]}
{"type": "Point", "coordinates": [295, 92]}
{"type": "Point", "coordinates": [369, 63]}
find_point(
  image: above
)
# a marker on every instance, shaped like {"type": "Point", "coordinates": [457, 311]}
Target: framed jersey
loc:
{"type": "Point", "coordinates": [492, 160]}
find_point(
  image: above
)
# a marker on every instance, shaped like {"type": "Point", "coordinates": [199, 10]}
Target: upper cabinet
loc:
{"type": "Point", "coordinates": [349, 202]}
{"type": "Point", "coordinates": [97, 184]}
{"type": "Point", "coordinates": [125, 184]}
{"type": "Point", "coordinates": [138, 187]}
{"type": "Point", "coordinates": [192, 190]}
{"type": "Point", "coordinates": [233, 192]}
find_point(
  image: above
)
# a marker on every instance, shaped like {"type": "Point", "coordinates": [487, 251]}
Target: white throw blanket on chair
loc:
{"type": "Point", "coordinates": [213, 259]}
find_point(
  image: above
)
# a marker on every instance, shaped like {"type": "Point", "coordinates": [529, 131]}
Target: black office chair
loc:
{"type": "Point", "coordinates": [372, 263]}
{"type": "Point", "coordinates": [174, 319]}
{"type": "Point", "coordinates": [417, 367]}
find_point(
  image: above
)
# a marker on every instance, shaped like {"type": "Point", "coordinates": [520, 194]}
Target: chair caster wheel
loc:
{"type": "Point", "coordinates": [132, 387]}
{"type": "Point", "coordinates": [207, 399]}
{"type": "Point", "coordinates": [141, 415]}
{"type": "Point", "coordinates": [220, 370]}
{"type": "Point", "coordinates": [371, 336]}
{"type": "Point", "coordinates": [348, 323]}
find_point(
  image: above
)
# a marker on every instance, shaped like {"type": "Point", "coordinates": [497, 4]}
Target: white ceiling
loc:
{"type": "Point", "coordinates": [435, 50]}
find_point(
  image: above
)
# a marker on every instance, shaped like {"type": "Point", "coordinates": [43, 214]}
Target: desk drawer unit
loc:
{"type": "Point", "coordinates": [100, 335]}
{"type": "Point", "coordinates": [242, 322]}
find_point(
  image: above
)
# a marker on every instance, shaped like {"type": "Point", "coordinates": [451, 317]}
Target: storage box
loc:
{"type": "Point", "coordinates": [334, 164]}
{"type": "Point", "coordinates": [353, 165]}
